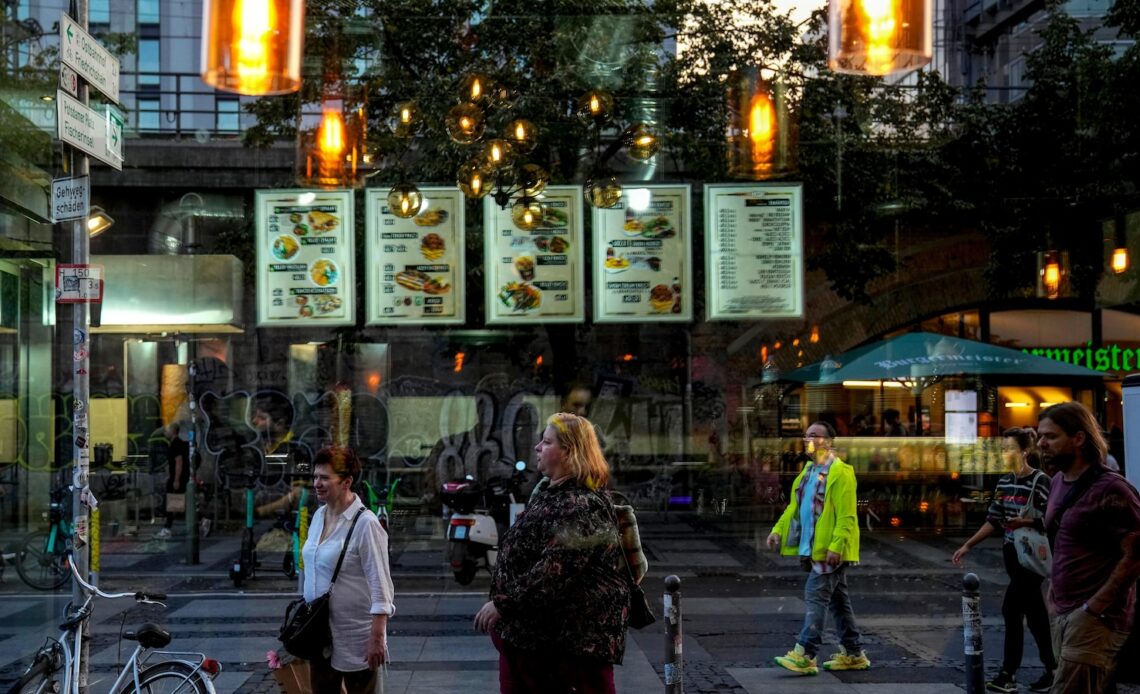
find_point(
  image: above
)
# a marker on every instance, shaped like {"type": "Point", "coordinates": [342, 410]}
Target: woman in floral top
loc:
{"type": "Point", "coordinates": [559, 600]}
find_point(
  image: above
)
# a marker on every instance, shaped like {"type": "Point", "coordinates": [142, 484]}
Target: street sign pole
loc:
{"type": "Point", "coordinates": [81, 451]}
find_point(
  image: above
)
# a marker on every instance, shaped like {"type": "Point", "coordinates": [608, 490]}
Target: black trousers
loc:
{"type": "Point", "coordinates": [1024, 603]}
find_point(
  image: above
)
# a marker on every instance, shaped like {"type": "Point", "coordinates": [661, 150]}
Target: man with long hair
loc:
{"type": "Point", "coordinates": [1093, 523]}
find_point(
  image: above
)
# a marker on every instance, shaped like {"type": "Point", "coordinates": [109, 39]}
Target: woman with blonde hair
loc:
{"type": "Point", "coordinates": [559, 602]}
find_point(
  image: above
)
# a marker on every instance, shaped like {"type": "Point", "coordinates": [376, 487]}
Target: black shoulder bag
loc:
{"type": "Point", "coordinates": [306, 632]}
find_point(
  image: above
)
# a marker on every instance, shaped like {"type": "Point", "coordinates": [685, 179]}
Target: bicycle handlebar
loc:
{"type": "Point", "coordinates": [149, 597]}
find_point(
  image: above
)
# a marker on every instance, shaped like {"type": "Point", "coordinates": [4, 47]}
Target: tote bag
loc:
{"type": "Point", "coordinates": [1031, 545]}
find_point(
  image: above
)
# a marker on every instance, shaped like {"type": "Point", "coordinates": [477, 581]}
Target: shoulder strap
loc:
{"type": "Point", "coordinates": [1032, 493]}
{"type": "Point", "coordinates": [609, 504]}
{"type": "Point", "coordinates": [1072, 497]}
{"type": "Point", "coordinates": [344, 547]}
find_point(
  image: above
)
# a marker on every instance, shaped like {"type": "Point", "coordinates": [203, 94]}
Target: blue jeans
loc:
{"type": "Point", "coordinates": [823, 593]}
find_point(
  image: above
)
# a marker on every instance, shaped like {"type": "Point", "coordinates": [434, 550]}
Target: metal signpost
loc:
{"type": "Point", "coordinates": [100, 135]}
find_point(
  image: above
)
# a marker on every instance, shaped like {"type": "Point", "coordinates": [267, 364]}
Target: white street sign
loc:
{"type": "Point", "coordinates": [94, 63]}
{"type": "Point", "coordinates": [68, 80]}
{"type": "Point", "coordinates": [99, 135]}
{"type": "Point", "coordinates": [78, 284]}
{"type": "Point", "coordinates": [70, 198]}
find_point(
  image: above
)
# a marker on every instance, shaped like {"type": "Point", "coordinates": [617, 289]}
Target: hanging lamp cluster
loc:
{"type": "Point", "coordinates": [596, 108]}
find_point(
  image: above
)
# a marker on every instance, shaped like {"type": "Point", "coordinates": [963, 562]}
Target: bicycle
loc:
{"type": "Point", "coordinates": [56, 666]}
{"type": "Point", "coordinates": [41, 559]}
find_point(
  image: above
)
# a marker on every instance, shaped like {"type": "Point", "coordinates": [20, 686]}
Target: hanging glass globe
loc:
{"type": "Point", "coordinates": [405, 200]}
{"type": "Point", "coordinates": [603, 190]}
{"type": "Point", "coordinates": [474, 179]}
{"type": "Point", "coordinates": [522, 135]}
{"type": "Point", "coordinates": [643, 143]}
{"type": "Point", "coordinates": [527, 213]}
{"type": "Point", "coordinates": [465, 123]}
{"type": "Point", "coordinates": [533, 179]}
{"type": "Point", "coordinates": [476, 88]}
{"type": "Point", "coordinates": [595, 107]}
{"type": "Point", "coordinates": [497, 153]}
{"type": "Point", "coordinates": [405, 119]}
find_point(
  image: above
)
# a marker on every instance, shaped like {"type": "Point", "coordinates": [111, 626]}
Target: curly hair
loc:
{"type": "Point", "coordinates": [584, 459]}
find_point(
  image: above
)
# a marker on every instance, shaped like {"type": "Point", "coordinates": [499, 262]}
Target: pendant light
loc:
{"type": "Point", "coordinates": [879, 37]}
{"type": "Point", "coordinates": [759, 129]}
{"type": "Point", "coordinates": [253, 47]}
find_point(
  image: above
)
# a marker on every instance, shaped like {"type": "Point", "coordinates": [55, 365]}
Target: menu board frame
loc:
{"type": "Point", "coordinates": [343, 199]}
{"type": "Point", "coordinates": [374, 257]}
{"type": "Point", "coordinates": [714, 309]}
{"type": "Point", "coordinates": [494, 278]}
{"type": "Point", "coordinates": [604, 222]}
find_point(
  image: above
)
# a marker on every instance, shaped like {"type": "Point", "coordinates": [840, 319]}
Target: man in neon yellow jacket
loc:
{"type": "Point", "coordinates": [820, 527]}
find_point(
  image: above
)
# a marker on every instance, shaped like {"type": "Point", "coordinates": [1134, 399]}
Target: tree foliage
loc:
{"type": "Point", "coordinates": [872, 157]}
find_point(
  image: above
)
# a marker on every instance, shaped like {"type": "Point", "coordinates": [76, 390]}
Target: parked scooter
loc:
{"type": "Point", "coordinates": [479, 514]}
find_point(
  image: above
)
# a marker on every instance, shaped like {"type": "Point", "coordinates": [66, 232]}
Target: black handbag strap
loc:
{"type": "Point", "coordinates": [344, 548]}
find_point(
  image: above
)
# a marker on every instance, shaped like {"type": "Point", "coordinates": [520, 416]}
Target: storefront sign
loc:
{"type": "Point", "coordinates": [754, 251]}
{"type": "Point", "coordinates": [536, 276]}
{"type": "Point", "coordinates": [641, 257]}
{"type": "Point", "coordinates": [1099, 357]}
{"type": "Point", "coordinates": [305, 257]}
{"type": "Point", "coordinates": [415, 267]}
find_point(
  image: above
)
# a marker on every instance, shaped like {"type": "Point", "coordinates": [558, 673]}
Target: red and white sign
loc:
{"type": "Point", "coordinates": [78, 284]}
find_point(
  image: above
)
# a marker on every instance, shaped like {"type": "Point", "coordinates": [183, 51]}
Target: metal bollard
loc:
{"type": "Point", "coordinates": [674, 659]}
{"type": "Point", "coordinates": [972, 634]}
{"type": "Point", "coordinates": [191, 490]}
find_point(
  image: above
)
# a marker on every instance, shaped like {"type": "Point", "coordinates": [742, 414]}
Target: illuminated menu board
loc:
{"type": "Point", "coordinates": [415, 268]}
{"type": "Point", "coordinates": [641, 266]}
{"type": "Point", "coordinates": [536, 276]}
{"type": "Point", "coordinates": [754, 251]}
{"type": "Point", "coordinates": [305, 255]}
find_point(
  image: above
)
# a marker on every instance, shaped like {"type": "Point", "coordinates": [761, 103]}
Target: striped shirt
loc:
{"type": "Point", "coordinates": [1011, 496]}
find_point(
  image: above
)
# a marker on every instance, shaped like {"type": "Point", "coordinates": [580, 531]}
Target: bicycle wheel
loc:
{"type": "Point", "coordinates": [39, 568]}
{"type": "Point", "coordinates": [171, 677]}
{"type": "Point", "coordinates": [39, 679]}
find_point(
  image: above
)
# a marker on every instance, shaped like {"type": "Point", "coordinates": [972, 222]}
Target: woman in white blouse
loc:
{"type": "Point", "coordinates": [362, 596]}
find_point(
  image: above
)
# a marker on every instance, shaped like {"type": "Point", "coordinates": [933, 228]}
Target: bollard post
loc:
{"type": "Point", "coordinates": [674, 658]}
{"type": "Point", "coordinates": [972, 634]}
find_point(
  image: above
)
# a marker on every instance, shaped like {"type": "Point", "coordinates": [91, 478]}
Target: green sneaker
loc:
{"type": "Point", "coordinates": [843, 661]}
{"type": "Point", "coordinates": [797, 661]}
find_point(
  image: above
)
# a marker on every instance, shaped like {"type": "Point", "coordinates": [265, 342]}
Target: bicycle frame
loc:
{"type": "Point", "coordinates": [69, 643]}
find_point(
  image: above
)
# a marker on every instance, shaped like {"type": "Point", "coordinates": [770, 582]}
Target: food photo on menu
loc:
{"type": "Point", "coordinates": [305, 244]}
{"type": "Point", "coordinates": [641, 263]}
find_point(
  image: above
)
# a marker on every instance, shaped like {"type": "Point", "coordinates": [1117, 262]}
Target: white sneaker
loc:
{"type": "Point", "coordinates": [163, 533]}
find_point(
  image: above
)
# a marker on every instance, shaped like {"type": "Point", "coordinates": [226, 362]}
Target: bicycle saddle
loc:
{"type": "Point", "coordinates": [149, 635]}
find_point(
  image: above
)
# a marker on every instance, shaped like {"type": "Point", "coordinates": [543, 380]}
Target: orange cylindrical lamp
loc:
{"type": "Point", "coordinates": [759, 129]}
{"type": "Point", "coordinates": [253, 46]}
{"type": "Point", "coordinates": [879, 37]}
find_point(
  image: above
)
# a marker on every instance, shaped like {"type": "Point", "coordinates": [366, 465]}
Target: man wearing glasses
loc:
{"type": "Point", "coordinates": [820, 527]}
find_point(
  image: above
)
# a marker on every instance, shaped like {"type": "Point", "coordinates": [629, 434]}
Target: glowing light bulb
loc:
{"type": "Point", "coordinates": [1120, 260]}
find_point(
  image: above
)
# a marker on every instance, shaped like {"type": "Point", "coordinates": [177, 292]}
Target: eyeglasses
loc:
{"type": "Point", "coordinates": [815, 437]}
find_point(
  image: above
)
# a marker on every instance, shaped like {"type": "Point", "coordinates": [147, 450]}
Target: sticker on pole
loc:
{"type": "Point", "coordinates": [78, 284]}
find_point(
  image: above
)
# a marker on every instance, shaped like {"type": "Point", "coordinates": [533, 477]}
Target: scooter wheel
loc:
{"type": "Point", "coordinates": [466, 575]}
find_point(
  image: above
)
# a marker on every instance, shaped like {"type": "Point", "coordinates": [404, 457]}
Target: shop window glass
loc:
{"type": "Point", "coordinates": [1023, 329]}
